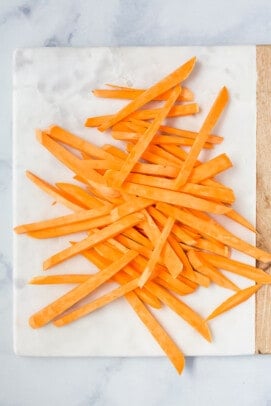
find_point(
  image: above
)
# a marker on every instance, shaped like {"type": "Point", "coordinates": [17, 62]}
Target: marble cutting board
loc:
{"type": "Point", "coordinates": [53, 85]}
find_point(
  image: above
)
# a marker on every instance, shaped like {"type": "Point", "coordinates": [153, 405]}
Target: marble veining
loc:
{"type": "Point", "coordinates": [242, 381]}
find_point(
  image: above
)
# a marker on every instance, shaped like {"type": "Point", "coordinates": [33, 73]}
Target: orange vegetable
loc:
{"type": "Point", "coordinates": [204, 132]}
{"type": "Point", "coordinates": [131, 94]}
{"type": "Point", "coordinates": [177, 198]}
{"type": "Point", "coordinates": [234, 300]}
{"type": "Point", "coordinates": [148, 271]}
{"type": "Point", "coordinates": [142, 145]}
{"type": "Point", "coordinates": [101, 235]}
{"type": "Point", "coordinates": [160, 87]}
{"type": "Point", "coordinates": [147, 114]}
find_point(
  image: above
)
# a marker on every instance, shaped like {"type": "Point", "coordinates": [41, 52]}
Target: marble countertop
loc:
{"type": "Point", "coordinates": [29, 381]}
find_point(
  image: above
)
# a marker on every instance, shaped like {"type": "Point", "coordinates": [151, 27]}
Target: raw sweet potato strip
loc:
{"type": "Point", "coordinates": [149, 269]}
{"type": "Point", "coordinates": [66, 137]}
{"type": "Point", "coordinates": [168, 255]}
{"type": "Point", "coordinates": [75, 164]}
{"type": "Point", "coordinates": [176, 305]}
{"type": "Point", "coordinates": [188, 314]}
{"type": "Point", "coordinates": [159, 151]}
{"type": "Point", "coordinates": [63, 220]}
{"type": "Point", "coordinates": [84, 197]}
{"type": "Point", "coordinates": [59, 279]}
{"type": "Point", "coordinates": [156, 330]}
{"type": "Point", "coordinates": [158, 88]}
{"type": "Point", "coordinates": [176, 229]}
{"type": "Point", "coordinates": [211, 272]}
{"type": "Point", "coordinates": [185, 91]}
{"type": "Point", "coordinates": [231, 265]}
{"type": "Point", "coordinates": [101, 235]}
{"type": "Point", "coordinates": [147, 114]}
{"type": "Point", "coordinates": [112, 251]}
{"type": "Point", "coordinates": [148, 169]}
{"type": "Point", "coordinates": [57, 194]}
{"type": "Point", "coordinates": [132, 93]}
{"type": "Point", "coordinates": [234, 300]}
{"type": "Point", "coordinates": [66, 301]}
{"type": "Point", "coordinates": [158, 139]}
{"type": "Point", "coordinates": [164, 278]}
{"type": "Point", "coordinates": [142, 145]}
{"type": "Point", "coordinates": [139, 126]}
{"type": "Point", "coordinates": [213, 139]}
{"type": "Point", "coordinates": [224, 195]}
{"type": "Point", "coordinates": [212, 246]}
{"type": "Point", "coordinates": [235, 216]}
{"type": "Point", "coordinates": [174, 197]}
{"type": "Point", "coordinates": [219, 233]}
{"type": "Point", "coordinates": [204, 132]}
{"type": "Point", "coordinates": [96, 304]}
{"type": "Point", "coordinates": [122, 277]}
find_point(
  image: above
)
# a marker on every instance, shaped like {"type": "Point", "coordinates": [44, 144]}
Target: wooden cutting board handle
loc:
{"type": "Point", "coordinates": [263, 225]}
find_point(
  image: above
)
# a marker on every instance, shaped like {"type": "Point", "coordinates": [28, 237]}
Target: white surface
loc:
{"type": "Point", "coordinates": [53, 86]}
{"type": "Point", "coordinates": [236, 381]}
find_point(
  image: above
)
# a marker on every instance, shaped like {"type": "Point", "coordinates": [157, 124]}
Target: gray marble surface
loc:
{"type": "Point", "coordinates": [117, 381]}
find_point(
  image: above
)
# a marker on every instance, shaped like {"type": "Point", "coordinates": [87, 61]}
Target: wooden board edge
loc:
{"type": "Point", "coordinates": [263, 205]}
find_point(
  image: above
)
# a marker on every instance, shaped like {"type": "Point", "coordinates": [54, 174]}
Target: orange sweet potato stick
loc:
{"type": "Point", "coordinates": [176, 229]}
{"type": "Point", "coordinates": [148, 114]}
{"type": "Point", "coordinates": [210, 271]}
{"type": "Point", "coordinates": [122, 277]}
{"type": "Point", "coordinates": [142, 145]}
{"type": "Point", "coordinates": [62, 135]}
{"type": "Point", "coordinates": [99, 236]}
{"type": "Point", "coordinates": [174, 197]}
{"type": "Point", "coordinates": [83, 221]}
{"type": "Point", "coordinates": [132, 93]}
{"type": "Point", "coordinates": [57, 194]}
{"type": "Point", "coordinates": [233, 301]}
{"type": "Point", "coordinates": [75, 164]}
{"type": "Point", "coordinates": [160, 87]}
{"type": "Point", "coordinates": [159, 334]}
{"type": "Point", "coordinates": [59, 279]}
{"type": "Point", "coordinates": [219, 233]}
{"type": "Point", "coordinates": [148, 271]}
{"type": "Point", "coordinates": [96, 304]}
{"type": "Point", "coordinates": [224, 195]}
{"type": "Point", "coordinates": [157, 331]}
{"type": "Point", "coordinates": [204, 132]}
{"type": "Point", "coordinates": [83, 196]}
{"type": "Point", "coordinates": [231, 265]}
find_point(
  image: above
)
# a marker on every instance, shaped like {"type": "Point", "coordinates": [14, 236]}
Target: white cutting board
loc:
{"type": "Point", "coordinates": [53, 85]}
